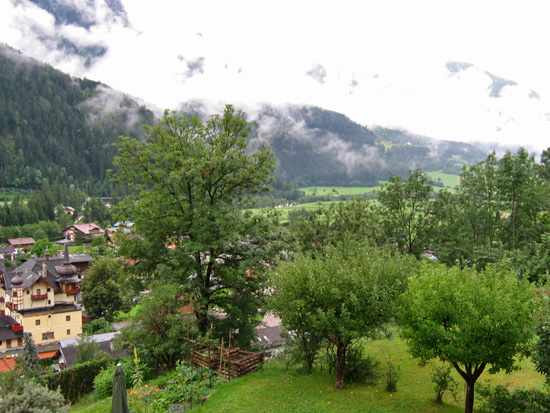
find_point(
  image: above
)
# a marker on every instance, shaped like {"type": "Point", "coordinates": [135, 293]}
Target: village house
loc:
{"type": "Point", "coordinates": [8, 252]}
{"type": "Point", "coordinates": [11, 332]}
{"type": "Point", "coordinates": [23, 244]}
{"type": "Point", "coordinates": [41, 296]}
{"type": "Point", "coordinates": [83, 231]}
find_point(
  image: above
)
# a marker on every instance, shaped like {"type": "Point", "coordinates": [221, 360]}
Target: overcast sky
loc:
{"type": "Point", "coordinates": [460, 70]}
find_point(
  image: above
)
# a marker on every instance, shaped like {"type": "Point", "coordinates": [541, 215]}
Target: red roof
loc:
{"type": "Point", "coordinates": [47, 354]}
{"type": "Point", "coordinates": [21, 241]}
{"type": "Point", "coordinates": [88, 228]}
{"type": "Point", "coordinates": [9, 364]}
{"type": "Point", "coordinates": [6, 365]}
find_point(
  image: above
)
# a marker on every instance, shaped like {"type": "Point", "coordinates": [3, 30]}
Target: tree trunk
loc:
{"type": "Point", "coordinates": [340, 365]}
{"type": "Point", "coordinates": [469, 405]}
{"type": "Point", "coordinates": [470, 374]}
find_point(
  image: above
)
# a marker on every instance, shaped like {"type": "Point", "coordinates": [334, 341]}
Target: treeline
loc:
{"type": "Point", "coordinates": [46, 129]}
{"type": "Point", "coordinates": [500, 210]}
{"type": "Point", "coordinates": [44, 216]}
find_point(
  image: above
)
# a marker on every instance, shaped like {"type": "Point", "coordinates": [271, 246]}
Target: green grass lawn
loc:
{"type": "Point", "coordinates": [274, 389]}
{"type": "Point", "coordinates": [337, 190]}
{"type": "Point", "coordinates": [448, 180]}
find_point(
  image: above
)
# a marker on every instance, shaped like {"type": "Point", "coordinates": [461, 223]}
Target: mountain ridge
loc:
{"type": "Point", "coordinates": [63, 128]}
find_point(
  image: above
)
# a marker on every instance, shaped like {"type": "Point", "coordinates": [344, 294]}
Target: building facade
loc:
{"type": "Point", "coordinates": [41, 296]}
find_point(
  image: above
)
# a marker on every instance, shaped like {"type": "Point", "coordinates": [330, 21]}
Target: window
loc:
{"type": "Point", "coordinates": [28, 292]}
{"type": "Point", "coordinates": [68, 318]}
{"type": "Point", "coordinates": [46, 336]}
{"type": "Point", "coordinates": [48, 290]}
{"type": "Point", "coordinates": [15, 293]}
{"type": "Point", "coordinates": [37, 322]}
{"type": "Point", "coordinates": [68, 332]}
{"type": "Point", "coordinates": [49, 302]}
{"type": "Point", "coordinates": [38, 292]}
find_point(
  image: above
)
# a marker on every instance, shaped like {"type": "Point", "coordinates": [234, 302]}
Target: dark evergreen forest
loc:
{"type": "Point", "coordinates": [47, 131]}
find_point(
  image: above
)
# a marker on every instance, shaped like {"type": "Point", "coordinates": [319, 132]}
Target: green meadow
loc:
{"type": "Point", "coordinates": [277, 389]}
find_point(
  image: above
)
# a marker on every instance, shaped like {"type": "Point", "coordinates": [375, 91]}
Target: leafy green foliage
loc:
{"type": "Point", "coordinates": [469, 319]}
{"type": "Point", "coordinates": [392, 375]}
{"type": "Point", "coordinates": [102, 295]}
{"type": "Point", "coordinates": [359, 366]}
{"type": "Point", "coordinates": [357, 220]}
{"type": "Point", "coordinates": [160, 328]}
{"type": "Point", "coordinates": [97, 326]}
{"type": "Point", "coordinates": [77, 380]}
{"type": "Point", "coordinates": [302, 348]}
{"type": "Point", "coordinates": [408, 210]}
{"type": "Point", "coordinates": [443, 382]}
{"type": "Point", "coordinates": [34, 397]}
{"type": "Point", "coordinates": [190, 180]}
{"type": "Point", "coordinates": [345, 294]}
{"type": "Point", "coordinates": [501, 399]}
{"type": "Point", "coordinates": [87, 350]}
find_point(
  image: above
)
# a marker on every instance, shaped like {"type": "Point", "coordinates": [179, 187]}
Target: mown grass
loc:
{"type": "Point", "coordinates": [274, 389]}
{"type": "Point", "coordinates": [337, 190]}
{"type": "Point", "coordinates": [449, 180]}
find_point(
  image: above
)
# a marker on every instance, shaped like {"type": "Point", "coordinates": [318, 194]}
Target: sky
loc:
{"type": "Point", "coordinates": [452, 70]}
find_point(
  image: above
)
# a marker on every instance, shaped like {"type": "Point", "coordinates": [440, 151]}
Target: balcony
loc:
{"type": "Point", "coordinates": [35, 297]}
{"type": "Point", "coordinates": [74, 290]}
{"type": "Point", "coordinates": [17, 327]}
{"type": "Point", "coordinates": [10, 306]}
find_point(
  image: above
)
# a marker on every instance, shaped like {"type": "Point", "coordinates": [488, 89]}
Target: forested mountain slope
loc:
{"type": "Point", "coordinates": [58, 127]}
{"type": "Point", "coordinates": [62, 128]}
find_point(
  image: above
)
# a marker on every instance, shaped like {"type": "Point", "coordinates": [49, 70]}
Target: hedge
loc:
{"type": "Point", "coordinates": [77, 380]}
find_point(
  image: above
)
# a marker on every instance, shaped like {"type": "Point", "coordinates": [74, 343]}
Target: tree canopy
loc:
{"type": "Point", "coordinates": [191, 180]}
{"type": "Point", "coordinates": [467, 318]}
{"type": "Point", "coordinates": [343, 295]}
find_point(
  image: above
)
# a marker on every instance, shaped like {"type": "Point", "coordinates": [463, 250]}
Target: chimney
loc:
{"type": "Point", "coordinates": [44, 269]}
{"type": "Point", "coordinates": [47, 253]}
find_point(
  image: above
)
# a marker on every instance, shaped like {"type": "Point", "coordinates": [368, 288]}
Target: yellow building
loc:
{"type": "Point", "coordinates": [41, 295]}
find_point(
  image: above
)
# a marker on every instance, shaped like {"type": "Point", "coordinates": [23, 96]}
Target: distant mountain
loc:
{"type": "Point", "coordinates": [58, 127]}
{"type": "Point", "coordinates": [62, 128]}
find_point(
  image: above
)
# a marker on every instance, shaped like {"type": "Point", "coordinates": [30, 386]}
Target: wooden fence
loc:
{"type": "Point", "coordinates": [228, 362]}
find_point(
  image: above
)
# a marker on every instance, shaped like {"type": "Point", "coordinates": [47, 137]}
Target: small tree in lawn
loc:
{"type": "Point", "coordinates": [344, 294]}
{"type": "Point", "coordinates": [469, 319]}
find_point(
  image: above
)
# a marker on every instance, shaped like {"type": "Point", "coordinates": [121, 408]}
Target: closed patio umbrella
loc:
{"type": "Point", "coordinates": [120, 402]}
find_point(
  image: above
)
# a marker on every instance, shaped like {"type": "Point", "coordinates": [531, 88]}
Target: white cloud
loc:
{"type": "Point", "coordinates": [380, 63]}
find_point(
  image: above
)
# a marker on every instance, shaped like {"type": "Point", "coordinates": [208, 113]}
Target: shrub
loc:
{"type": "Point", "coordinates": [34, 397]}
{"type": "Point", "coordinates": [103, 382]}
{"type": "Point", "coordinates": [302, 349]}
{"type": "Point", "coordinates": [392, 376]}
{"type": "Point", "coordinates": [500, 399]}
{"type": "Point", "coordinates": [77, 380]}
{"type": "Point", "coordinates": [359, 367]}
{"type": "Point", "coordinates": [441, 377]}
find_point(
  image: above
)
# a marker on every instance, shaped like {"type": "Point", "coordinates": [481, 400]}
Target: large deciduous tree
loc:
{"type": "Point", "coordinates": [343, 294]}
{"type": "Point", "coordinates": [467, 318]}
{"type": "Point", "coordinates": [190, 181]}
{"type": "Point", "coordinates": [409, 210]}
